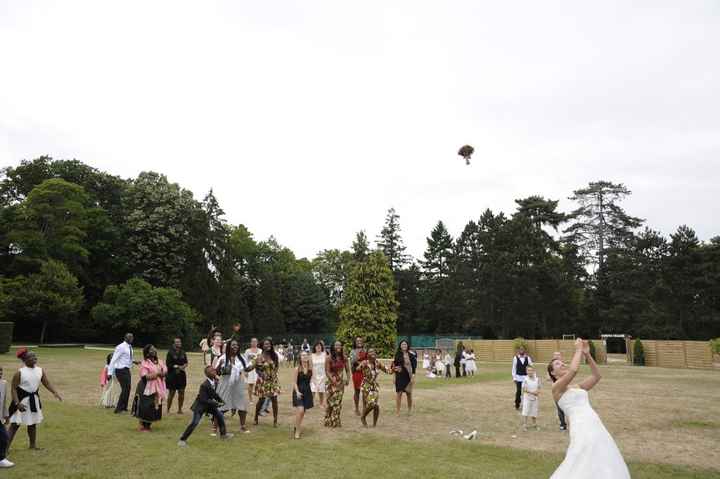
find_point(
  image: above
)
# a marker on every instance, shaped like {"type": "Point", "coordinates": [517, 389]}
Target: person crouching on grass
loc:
{"type": "Point", "coordinates": [25, 408]}
{"type": "Point", "coordinates": [531, 393]}
{"type": "Point", "coordinates": [206, 402]}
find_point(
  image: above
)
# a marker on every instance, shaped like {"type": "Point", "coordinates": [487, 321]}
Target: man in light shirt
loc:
{"type": "Point", "coordinates": [119, 367]}
{"type": "Point", "coordinates": [521, 361]}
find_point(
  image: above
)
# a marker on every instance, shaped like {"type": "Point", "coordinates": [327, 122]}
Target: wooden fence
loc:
{"type": "Point", "coordinates": [540, 350]}
{"type": "Point", "coordinates": [674, 354]}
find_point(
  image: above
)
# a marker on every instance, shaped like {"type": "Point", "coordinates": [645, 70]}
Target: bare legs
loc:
{"type": "Point", "coordinates": [259, 405]}
{"type": "Point", "coordinates": [299, 415]}
{"type": "Point", "coordinates": [398, 402]}
{"type": "Point", "coordinates": [322, 399]}
{"type": "Point", "coordinates": [243, 417]}
{"type": "Point", "coordinates": [356, 400]}
{"type": "Point", "coordinates": [32, 435]}
{"type": "Point", "coordinates": [171, 396]}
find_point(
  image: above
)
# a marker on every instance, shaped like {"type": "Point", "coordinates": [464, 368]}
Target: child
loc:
{"type": "Point", "coordinates": [439, 366]}
{"type": "Point", "coordinates": [207, 402]}
{"type": "Point", "coordinates": [448, 365]}
{"type": "Point", "coordinates": [470, 365]}
{"type": "Point", "coordinates": [530, 402]}
{"type": "Point", "coordinates": [107, 386]}
{"type": "Point", "coordinates": [4, 415]}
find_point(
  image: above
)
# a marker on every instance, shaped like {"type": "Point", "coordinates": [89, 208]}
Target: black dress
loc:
{"type": "Point", "coordinates": [143, 406]}
{"type": "Point", "coordinates": [303, 385]}
{"type": "Point", "coordinates": [176, 379]}
{"type": "Point", "coordinates": [402, 379]}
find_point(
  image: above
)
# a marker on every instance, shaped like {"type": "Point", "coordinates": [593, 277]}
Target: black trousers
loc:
{"type": "Point", "coordinates": [448, 373]}
{"type": "Point", "coordinates": [457, 370]}
{"type": "Point", "coordinates": [197, 416]}
{"type": "Point", "coordinates": [561, 416]}
{"type": "Point", "coordinates": [518, 393]}
{"type": "Point", "coordinates": [123, 377]}
{"type": "Point", "coordinates": [4, 439]}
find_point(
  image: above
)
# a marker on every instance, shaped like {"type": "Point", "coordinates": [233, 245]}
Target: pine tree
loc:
{"type": "Point", "coordinates": [390, 242]}
{"type": "Point", "coordinates": [369, 307]}
{"type": "Point", "coordinates": [360, 247]}
{"type": "Point", "coordinates": [438, 253]}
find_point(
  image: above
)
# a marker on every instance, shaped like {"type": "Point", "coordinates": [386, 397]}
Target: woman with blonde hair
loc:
{"type": "Point", "coordinates": [302, 397]}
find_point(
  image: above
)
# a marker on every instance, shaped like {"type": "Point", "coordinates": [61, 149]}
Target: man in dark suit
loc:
{"type": "Point", "coordinates": [207, 402]}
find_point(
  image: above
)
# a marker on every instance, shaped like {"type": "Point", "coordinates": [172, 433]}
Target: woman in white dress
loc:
{"type": "Point", "coordinates": [232, 387]}
{"type": "Point", "coordinates": [592, 452]}
{"type": "Point", "coordinates": [25, 408]}
{"type": "Point", "coordinates": [470, 365]}
{"type": "Point", "coordinates": [250, 354]}
{"type": "Point", "coordinates": [426, 361]}
{"type": "Point", "coordinates": [317, 383]}
{"type": "Point", "coordinates": [439, 365]}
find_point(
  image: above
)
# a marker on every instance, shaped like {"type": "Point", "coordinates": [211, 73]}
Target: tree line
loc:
{"type": "Point", "coordinates": [85, 255]}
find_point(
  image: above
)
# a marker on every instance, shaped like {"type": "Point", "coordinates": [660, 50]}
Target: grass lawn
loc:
{"type": "Point", "coordinates": [665, 423]}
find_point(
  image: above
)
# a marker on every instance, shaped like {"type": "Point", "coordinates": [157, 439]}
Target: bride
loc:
{"type": "Point", "coordinates": [592, 452]}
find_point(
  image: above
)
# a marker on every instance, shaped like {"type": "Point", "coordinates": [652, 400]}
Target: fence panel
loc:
{"type": "Point", "coordinates": [544, 349]}
{"type": "Point", "coordinates": [698, 355]}
{"type": "Point", "coordinates": [650, 348]}
{"type": "Point", "coordinates": [670, 354]}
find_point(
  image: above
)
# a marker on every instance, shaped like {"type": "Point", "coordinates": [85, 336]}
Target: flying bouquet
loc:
{"type": "Point", "coordinates": [466, 152]}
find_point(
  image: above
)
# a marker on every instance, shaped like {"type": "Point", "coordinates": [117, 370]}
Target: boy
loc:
{"type": "Point", "coordinates": [531, 392]}
{"type": "Point", "coordinates": [4, 415]}
{"type": "Point", "coordinates": [207, 401]}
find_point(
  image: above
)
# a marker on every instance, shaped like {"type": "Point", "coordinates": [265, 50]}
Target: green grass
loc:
{"type": "Point", "coordinates": [697, 424]}
{"type": "Point", "coordinates": [82, 440]}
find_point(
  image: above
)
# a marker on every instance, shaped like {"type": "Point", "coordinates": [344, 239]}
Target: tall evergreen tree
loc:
{"type": "Point", "coordinates": [369, 307]}
{"type": "Point", "coordinates": [360, 247]}
{"type": "Point", "coordinates": [390, 242]}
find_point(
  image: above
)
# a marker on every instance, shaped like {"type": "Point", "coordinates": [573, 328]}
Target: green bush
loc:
{"type": "Point", "coordinates": [715, 345]}
{"type": "Point", "coordinates": [521, 342]}
{"type": "Point", "coordinates": [592, 349]}
{"type": "Point", "coordinates": [638, 353]}
{"type": "Point", "coordinates": [6, 331]}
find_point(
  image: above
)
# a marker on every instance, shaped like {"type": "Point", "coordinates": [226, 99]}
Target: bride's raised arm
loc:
{"type": "Point", "coordinates": [562, 383]}
{"type": "Point", "coordinates": [590, 382]}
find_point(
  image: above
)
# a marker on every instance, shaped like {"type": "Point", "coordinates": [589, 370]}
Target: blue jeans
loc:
{"type": "Point", "coordinates": [197, 416]}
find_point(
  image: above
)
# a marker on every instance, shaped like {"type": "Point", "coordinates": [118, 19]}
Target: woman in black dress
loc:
{"type": "Point", "coordinates": [404, 365]}
{"type": "Point", "coordinates": [302, 397]}
{"type": "Point", "coordinates": [176, 380]}
{"type": "Point", "coordinates": [150, 391]}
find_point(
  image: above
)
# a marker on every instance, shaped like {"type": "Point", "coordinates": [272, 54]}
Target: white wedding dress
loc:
{"type": "Point", "coordinates": [592, 453]}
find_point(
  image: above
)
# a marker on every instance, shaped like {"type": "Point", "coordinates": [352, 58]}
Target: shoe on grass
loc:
{"type": "Point", "coordinates": [182, 443]}
{"type": "Point", "coordinates": [4, 464]}
{"type": "Point", "coordinates": [227, 436]}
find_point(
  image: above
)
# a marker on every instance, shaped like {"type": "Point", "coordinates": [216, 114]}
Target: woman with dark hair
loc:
{"type": "Point", "coordinates": [335, 364]}
{"type": "Point", "coordinates": [25, 408]}
{"type": "Point", "coordinates": [232, 386]}
{"type": "Point", "coordinates": [592, 452]}
{"type": "Point", "coordinates": [370, 369]}
{"type": "Point", "coordinates": [358, 353]}
{"type": "Point", "coordinates": [176, 380]}
{"type": "Point", "coordinates": [268, 387]}
{"type": "Point", "coordinates": [150, 391]}
{"type": "Point", "coordinates": [404, 365]}
{"type": "Point", "coordinates": [317, 384]}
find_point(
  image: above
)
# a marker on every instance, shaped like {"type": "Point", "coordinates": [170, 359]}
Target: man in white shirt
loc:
{"type": "Point", "coordinates": [119, 367]}
{"type": "Point", "coordinates": [521, 361]}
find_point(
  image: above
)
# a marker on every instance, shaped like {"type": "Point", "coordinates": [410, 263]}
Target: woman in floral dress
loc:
{"type": "Point", "coordinates": [335, 364]}
{"type": "Point", "coordinates": [268, 386]}
{"type": "Point", "coordinates": [370, 369]}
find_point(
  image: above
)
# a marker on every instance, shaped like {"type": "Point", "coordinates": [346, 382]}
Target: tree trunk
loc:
{"type": "Point", "coordinates": [42, 331]}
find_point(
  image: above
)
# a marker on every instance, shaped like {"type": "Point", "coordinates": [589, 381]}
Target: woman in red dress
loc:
{"type": "Point", "coordinates": [358, 354]}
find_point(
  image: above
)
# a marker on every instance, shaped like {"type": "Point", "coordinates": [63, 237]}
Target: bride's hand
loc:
{"type": "Point", "coordinates": [586, 347]}
{"type": "Point", "coordinates": [578, 344]}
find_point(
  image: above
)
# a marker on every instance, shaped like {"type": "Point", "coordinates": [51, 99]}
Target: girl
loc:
{"type": "Point", "coordinates": [232, 386]}
{"type": "Point", "coordinates": [317, 385]}
{"type": "Point", "coordinates": [592, 451]}
{"type": "Point", "coordinates": [370, 369]}
{"type": "Point", "coordinates": [302, 394]}
{"type": "Point", "coordinates": [426, 361]}
{"type": "Point", "coordinates": [470, 364]}
{"type": "Point", "coordinates": [448, 365]}
{"type": "Point", "coordinates": [439, 366]}
{"type": "Point", "coordinates": [404, 366]}
{"type": "Point", "coordinates": [25, 408]}
{"type": "Point", "coordinates": [250, 354]}
{"type": "Point", "coordinates": [268, 387]}
{"type": "Point", "coordinates": [150, 391]}
{"type": "Point", "coordinates": [531, 394]}
{"type": "Point", "coordinates": [335, 364]}
{"type": "Point", "coordinates": [108, 398]}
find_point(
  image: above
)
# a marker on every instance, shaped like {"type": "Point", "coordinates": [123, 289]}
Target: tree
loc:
{"type": "Point", "coordinates": [599, 222]}
{"type": "Point", "coordinates": [49, 296]}
{"type": "Point", "coordinates": [154, 314]}
{"type": "Point", "coordinates": [52, 223]}
{"type": "Point", "coordinates": [331, 268]}
{"type": "Point", "coordinates": [360, 247]}
{"type": "Point", "coordinates": [439, 252]}
{"type": "Point", "coordinates": [369, 308]}
{"type": "Point", "coordinates": [267, 315]}
{"type": "Point", "coordinates": [390, 242]}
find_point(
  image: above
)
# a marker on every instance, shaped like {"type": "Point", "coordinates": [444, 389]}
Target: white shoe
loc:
{"type": "Point", "coordinates": [6, 464]}
{"type": "Point", "coordinates": [182, 443]}
{"type": "Point", "coordinates": [471, 436]}
{"type": "Point", "coordinates": [227, 436]}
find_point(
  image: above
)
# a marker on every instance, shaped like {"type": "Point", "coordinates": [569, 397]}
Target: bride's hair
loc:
{"type": "Point", "coordinates": [550, 370]}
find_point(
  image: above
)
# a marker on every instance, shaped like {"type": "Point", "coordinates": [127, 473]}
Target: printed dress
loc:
{"type": "Point", "coordinates": [267, 385]}
{"type": "Point", "coordinates": [335, 390]}
{"type": "Point", "coordinates": [370, 387]}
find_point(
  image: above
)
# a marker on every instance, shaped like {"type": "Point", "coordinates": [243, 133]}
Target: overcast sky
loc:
{"type": "Point", "coordinates": [309, 119]}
